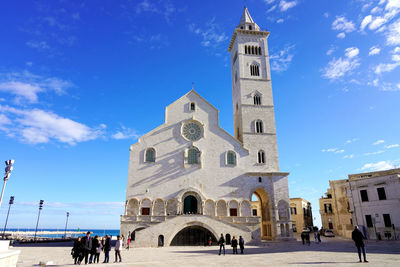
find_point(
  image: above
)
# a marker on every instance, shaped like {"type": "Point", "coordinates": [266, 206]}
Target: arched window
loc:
{"type": "Point", "coordinates": [261, 157]}
{"type": "Point", "coordinates": [256, 50]}
{"type": "Point", "coordinates": [257, 100]}
{"type": "Point", "coordinates": [259, 127]}
{"type": "Point", "coordinates": [231, 158]}
{"type": "Point", "coordinates": [250, 27]}
{"type": "Point", "coordinates": [245, 49]}
{"type": "Point", "coordinates": [252, 50]}
{"type": "Point", "coordinates": [259, 51]}
{"type": "Point", "coordinates": [193, 155]}
{"type": "Point", "coordinates": [150, 155]}
{"type": "Point", "coordinates": [192, 106]}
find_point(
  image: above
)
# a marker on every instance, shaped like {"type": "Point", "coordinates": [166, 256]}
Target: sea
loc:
{"type": "Point", "coordinates": [82, 232]}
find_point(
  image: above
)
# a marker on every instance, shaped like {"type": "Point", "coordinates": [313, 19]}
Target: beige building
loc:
{"type": "Point", "coordinates": [189, 180]}
{"type": "Point", "coordinates": [335, 210]}
{"type": "Point", "coordinates": [375, 203]}
{"type": "Point", "coordinates": [301, 214]}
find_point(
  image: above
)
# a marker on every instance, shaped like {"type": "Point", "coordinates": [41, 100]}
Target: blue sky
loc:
{"type": "Point", "coordinates": [81, 80]}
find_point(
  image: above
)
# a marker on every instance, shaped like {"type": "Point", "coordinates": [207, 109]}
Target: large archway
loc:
{"type": "Point", "coordinates": [193, 236]}
{"type": "Point", "coordinates": [261, 201]}
{"type": "Point", "coordinates": [190, 205]}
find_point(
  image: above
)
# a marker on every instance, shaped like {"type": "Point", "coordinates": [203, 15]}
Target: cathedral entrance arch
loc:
{"type": "Point", "coordinates": [194, 235]}
{"type": "Point", "coordinates": [190, 205]}
{"type": "Point", "coordinates": [263, 207]}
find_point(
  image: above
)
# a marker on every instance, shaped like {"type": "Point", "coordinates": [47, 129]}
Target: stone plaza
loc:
{"type": "Point", "coordinates": [331, 252]}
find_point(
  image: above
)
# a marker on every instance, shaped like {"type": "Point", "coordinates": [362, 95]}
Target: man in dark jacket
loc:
{"type": "Point", "coordinates": [358, 238]}
{"type": "Point", "coordinates": [241, 244]}
{"type": "Point", "coordinates": [234, 245]}
{"type": "Point", "coordinates": [95, 244]}
{"type": "Point", "coordinates": [87, 246]}
{"type": "Point", "coordinates": [221, 243]}
{"type": "Point", "coordinates": [107, 248]}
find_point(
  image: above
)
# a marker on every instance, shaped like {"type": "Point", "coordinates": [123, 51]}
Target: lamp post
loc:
{"type": "Point", "coordinates": [37, 223]}
{"type": "Point", "coordinates": [66, 223]}
{"type": "Point", "coordinates": [9, 207]}
{"type": "Point", "coordinates": [9, 168]}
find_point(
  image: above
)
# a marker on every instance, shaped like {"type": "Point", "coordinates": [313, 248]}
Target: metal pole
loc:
{"type": "Point", "coordinates": [66, 223]}
{"type": "Point", "coordinates": [37, 223]}
{"type": "Point", "coordinates": [2, 191]}
{"type": "Point", "coordinates": [4, 232]}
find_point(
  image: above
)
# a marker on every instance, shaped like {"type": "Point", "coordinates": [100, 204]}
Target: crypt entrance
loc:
{"type": "Point", "coordinates": [193, 236]}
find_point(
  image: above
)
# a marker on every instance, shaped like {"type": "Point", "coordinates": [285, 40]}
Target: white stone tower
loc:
{"type": "Point", "coordinates": [253, 108]}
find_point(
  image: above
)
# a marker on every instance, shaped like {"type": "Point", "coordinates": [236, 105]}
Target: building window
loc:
{"type": "Point", "coordinates": [192, 106]}
{"type": "Point", "coordinates": [254, 70]}
{"type": "Point", "coordinates": [254, 212]}
{"type": "Point", "coordinates": [294, 227]}
{"type": "Point", "coordinates": [381, 193]}
{"type": "Point", "coordinates": [259, 127]}
{"type": "Point", "coordinates": [259, 179]}
{"type": "Point", "coordinates": [351, 221]}
{"type": "Point", "coordinates": [145, 211]}
{"type": "Point", "coordinates": [368, 219]}
{"type": "Point", "coordinates": [328, 208]}
{"type": "Point", "coordinates": [261, 157]}
{"type": "Point", "coordinates": [387, 220]}
{"type": "Point", "coordinates": [193, 155]}
{"type": "Point", "coordinates": [150, 155]}
{"type": "Point", "coordinates": [233, 212]}
{"type": "Point", "coordinates": [259, 51]}
{"type": "Point", "coordinates": [257, 100]}
{"type": "Point", "coordinates": [364, 195]}
{"type": "Point", "coordinates": [293, 210]}
{"type": "Point", "coordinates": [250, 27]}
{"type": "Point", "coordinates": [231, 158]}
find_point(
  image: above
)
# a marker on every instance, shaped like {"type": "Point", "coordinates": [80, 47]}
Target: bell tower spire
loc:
{"type": "Point", "coordinates": [253, 107]}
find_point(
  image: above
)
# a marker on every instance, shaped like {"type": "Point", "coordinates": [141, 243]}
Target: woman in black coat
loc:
{"type": "Point", "coordinates": [77, 251]}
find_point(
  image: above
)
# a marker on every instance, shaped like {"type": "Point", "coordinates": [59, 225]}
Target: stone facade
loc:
{"type": "Point", "coordinates": [335, 210]}
{"type": "Point", "coordinates": [374, 202]}
{"type": "Point", "coordinates": [189, 179]}
{"type": "Point", "coordinates": [301, 214]}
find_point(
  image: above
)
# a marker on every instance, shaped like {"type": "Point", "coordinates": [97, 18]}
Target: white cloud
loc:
{"type": "Point", "coordinates": [392, 146]}
{"type": "Point", "coordinates": [41, 45]}
{"type": "Point", "coordinates": [386, 67]}
{"type": "Point", "coordinates": [376, 10]}
{"type": "Point", "coordinates": [339, 151]}
{"type": "Point", "coordinates": [342, 24]}
{"type": "Point", "coordinates": [210, 34]}
{"type": "Point", "coordinates": [329, 150]}
{"type": "Point", "coordinates": [39, 126]}
{"type": "Point", "coordinates": [341, 35]}
{"type": "Point", "coordinates": [162, 7]}
{"type": "Point", "coordinates": [351, 52]}
{"type": "Point", "coordinates": [365, 22]}
{"type": "Point", "coordinates": [330, 51]}
{"type": "Point", "coordinates": [340, 67]}
{"type": "Point", "coordinates": [271, 8]}
{"type": "Point", "coordinates": [27, 86]}
{"type": "Point", "coordinates": [396, 57]}
{"type": "Point", "coordinates": [392, 4]}
{"type": "Point", "coordinates": [396, 50]}
{"type": "Point", "coordinates": [379, 142]}
{"type": "Point", "coordinates": [393, 33]}
{"type": "Point", "coordinates": [389, 87]}
{"type": "Point", "coordinates": [374, 51]}
{"type": "Point", "coordinates": [280, 21]}
{"type": "Point", "coordinates": [379, 166]}
{"type": "Point", "coordinates": [125, 133]}
{"type": "Point", "coordinates": [373, 153]}
{"type": "Point", "coordinates": [352, 140]}
{"type": "Point", "coordinates": [285, 5]}
{"type": "Point", "coordinates": [376, 23]}
{"type": "Point", "coordinates": [281, 60]}
{"type": "Point", "coordinates": [349, 156]}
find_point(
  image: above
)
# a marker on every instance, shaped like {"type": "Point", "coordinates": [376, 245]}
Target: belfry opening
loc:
{"type": "Point", "coordinates": [262, 207]}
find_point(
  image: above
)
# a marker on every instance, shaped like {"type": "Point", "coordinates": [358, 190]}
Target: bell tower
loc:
{"type": "Point", "coordinates": [253, 108]}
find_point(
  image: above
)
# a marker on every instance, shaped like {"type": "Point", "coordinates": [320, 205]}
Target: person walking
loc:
{"type": "Point", "coordinates": [221, 243]}
{"type": "Point", "coordinates": [308, 237]}
{"type": "Point", "coordinates": [107, 248]}
{"type": "Point", "coordinates": [319, 236]}
{"type": "Point", "coordinates": [234, 245]}
{"type": "Point", "coordinates": [118, 248]}
{"type": "Point", "coordinates": [128, 241]}
{"type": "Point", "coordinates": [87, 246]}
{"type": "Point", "coordinates": [209, 241]}
{"type": "Point", "coordinates": [358, 238]}
{"type": "Point", "coordinates": [77, 251]}
{"type": "Point", "coordinates": [95, 244]}
{"type": "Point", "coordinates": [241, 244]}
{"type": "Point", "coordinates": [315, 236]}
{"type": "Point", "coordinates": [303, 237]}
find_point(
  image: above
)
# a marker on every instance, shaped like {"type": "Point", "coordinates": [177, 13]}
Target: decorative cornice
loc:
{"type": "Point", "coordinates": [245, 32]}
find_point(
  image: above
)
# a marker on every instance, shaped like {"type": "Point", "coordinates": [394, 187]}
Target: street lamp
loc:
{"type": "Point", "coordinates": [9, 168]}
{"type": "Point", "coordinates": [66, 223]}
{"type": "Point", "coordinates": [37, 223]}
{"type": "Point", "coordinates": [10, 203]}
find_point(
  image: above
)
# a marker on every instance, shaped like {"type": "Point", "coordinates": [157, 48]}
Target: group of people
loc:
{"type": "Point", "coordinates": [89, 248]}
{"type": "Point", "coordinates": [234, 244]}
{"type": "Point", "coordinates": [305, 236]}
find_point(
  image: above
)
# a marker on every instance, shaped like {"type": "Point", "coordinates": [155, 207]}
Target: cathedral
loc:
{"type": "Point", "coordinates": [189, 181]}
